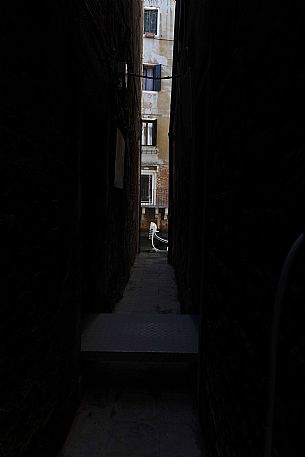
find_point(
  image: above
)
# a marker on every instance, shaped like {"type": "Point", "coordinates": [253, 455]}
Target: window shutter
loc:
{"type": "Point", "coordinates": [157, 85]}
{"type": "Point", "coordinates": [146, 21]}
{"type": "Point", "coordinates": [144, 79]}
{"type": "Point", "coordinates": [154, 21]}
{"type": "Point", "coordinates": [154, 135]}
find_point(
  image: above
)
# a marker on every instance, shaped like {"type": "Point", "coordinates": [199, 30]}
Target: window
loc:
{"type": "Point", "coordinates": [148, 188]}
{"type": "Point", "coordinates": [150, 72]}
{"type": "Point", "coordinates": [151, 21]}
{"type": "Point", "coordinates": [149, 132]}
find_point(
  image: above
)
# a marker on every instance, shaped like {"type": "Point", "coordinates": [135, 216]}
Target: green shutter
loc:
{"type": "Point", "coordinates": [154, 21]}
{"type": "Point", "coordinates": [154, 134]}
{"type": "Point", "coordinates": [157, 82]}
{"type": "Point", "coordinates": [146, 21]}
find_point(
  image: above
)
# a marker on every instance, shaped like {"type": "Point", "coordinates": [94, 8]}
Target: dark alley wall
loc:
{"type": "Point", "coordinates": [66, 231]}
{"type": "Point", "coordinates": [236, 205]}
{"type": "Point", "coordinates": [110, 217]}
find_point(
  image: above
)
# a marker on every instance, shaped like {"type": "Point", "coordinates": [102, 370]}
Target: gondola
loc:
{"type": "Point", "coordinates": [153, 235]}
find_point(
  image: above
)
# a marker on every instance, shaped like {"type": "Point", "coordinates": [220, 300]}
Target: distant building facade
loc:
{"type": "Point", "coordinates": [158, 40]}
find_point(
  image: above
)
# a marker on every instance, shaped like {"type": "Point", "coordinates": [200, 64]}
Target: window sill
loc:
{"type": "Point", "coordinates": [150, 150]}
{"type": "Point", "coordinates": [152, 36]}
{"type": "Point", "coordinates": [149, 34]}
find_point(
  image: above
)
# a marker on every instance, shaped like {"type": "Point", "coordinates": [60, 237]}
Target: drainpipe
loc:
{"type": "Point", "coordinates": [273, 349]}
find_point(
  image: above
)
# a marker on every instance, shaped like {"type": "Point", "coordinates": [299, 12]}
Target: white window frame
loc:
{"type": "Point", "coordinates": [153, 199]}
{"type": "Point", "coordinates": [154, 133]}
{"type": "Point", "coordinates": [158, 19]}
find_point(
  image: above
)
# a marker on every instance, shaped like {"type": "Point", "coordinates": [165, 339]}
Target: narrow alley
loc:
{"type": "Point", "coordinates": [144, 405]}
{"type": "Point", "coordinates": [119, 114]}
{"type": "Point", "coordinates": [151, 287]}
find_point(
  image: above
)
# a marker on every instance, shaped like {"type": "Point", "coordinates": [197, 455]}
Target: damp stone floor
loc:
{"type": "Point", "coordinates": [139, 408]}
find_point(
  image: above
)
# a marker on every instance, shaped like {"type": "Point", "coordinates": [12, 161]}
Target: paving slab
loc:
{"type": "Point", "coordinates": [140, 336]}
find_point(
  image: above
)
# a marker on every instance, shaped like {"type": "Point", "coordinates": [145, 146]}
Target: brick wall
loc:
{"type": "Point", "coordinates": [158, 213]}
{"type": "Point", "coordinates": [162, 186]}
{"type": "Point", "coordinates": [61, 106]}
{"type": "Point", "coordinates": [110, 215]}
{"type": "Point", "coordinates": [238, 178]}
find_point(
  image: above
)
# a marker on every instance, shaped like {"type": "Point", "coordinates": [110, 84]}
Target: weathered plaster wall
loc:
{"type": "Point", "coordinates": [159, 50]}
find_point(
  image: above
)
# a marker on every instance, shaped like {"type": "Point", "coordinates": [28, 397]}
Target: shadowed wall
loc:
{"type": "Point", "coordinates": [236, 206]}
{"type": "Point", "coordinates": [68, 235]}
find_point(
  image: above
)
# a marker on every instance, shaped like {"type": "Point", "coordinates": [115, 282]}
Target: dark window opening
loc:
{"type": "Point", "coordinates": [146, 189]}
{"type": "Point", "coordinates": [151, 72]}
{"type": "Point", "coordinates": [151, 21]}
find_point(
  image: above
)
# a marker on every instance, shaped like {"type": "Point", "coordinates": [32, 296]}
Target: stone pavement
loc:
{"type": "Point", "coordinates": [151, 287]}
{"type": "Point", "coordinates": [139, 409]}
{"type": "Point", "coordinates": [134, 421]}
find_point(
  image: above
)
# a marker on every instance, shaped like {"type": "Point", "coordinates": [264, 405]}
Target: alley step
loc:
{"type": "Point", "coordinates": [140, 337]}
